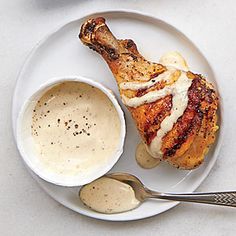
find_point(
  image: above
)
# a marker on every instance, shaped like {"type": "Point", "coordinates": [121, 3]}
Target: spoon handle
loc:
{"type": "Point", "coordinates": [215, 198]}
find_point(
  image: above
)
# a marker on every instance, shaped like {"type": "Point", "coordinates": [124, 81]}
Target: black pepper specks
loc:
{"type": "Point", "coordinates": [64, 117]}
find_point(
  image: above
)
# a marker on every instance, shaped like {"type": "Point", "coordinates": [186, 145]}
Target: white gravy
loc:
{"type": "Point", "coordinates": [175, 60]}
{"type": "Point", "coordinates": [108, 196]}
{"type": "Point", "coordinates": [178, 90]}
{"type": "Point", "coordinates": [72, 134]}
{"type": "Point", "coordinates": [165, 76]}
{"type": "Point", "coordinates": [144, 159]}
{"type": "Point", "coordinates": [179, 104]}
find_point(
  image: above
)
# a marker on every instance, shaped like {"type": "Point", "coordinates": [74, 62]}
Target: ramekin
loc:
{"type": "Point", "coordinates": [26, 146]}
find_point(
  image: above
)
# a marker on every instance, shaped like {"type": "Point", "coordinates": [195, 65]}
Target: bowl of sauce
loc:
{"type": "Point", "coordinates": [71, 131]}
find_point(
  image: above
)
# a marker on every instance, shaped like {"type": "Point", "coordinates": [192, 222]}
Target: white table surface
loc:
{"type": "Point", "coordinates": [24, 208]}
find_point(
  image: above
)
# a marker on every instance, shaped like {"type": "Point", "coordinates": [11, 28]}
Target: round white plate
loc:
{"type": "Point", "coordinates": [62, 54]}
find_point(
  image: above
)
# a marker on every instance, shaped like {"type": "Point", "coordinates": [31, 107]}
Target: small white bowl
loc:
{"type": "Point", "coordinates": [26, 145]}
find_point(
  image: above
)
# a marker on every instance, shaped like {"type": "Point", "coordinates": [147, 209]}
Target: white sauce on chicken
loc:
{"type": "Point", "coordinates": [174, 59]}
{"type": "Point", "coordinates": [178, 90]}
{"type": "Point", "coordinates": [165, 76]}
{"type": "Point", "coordinates": [179, 104]}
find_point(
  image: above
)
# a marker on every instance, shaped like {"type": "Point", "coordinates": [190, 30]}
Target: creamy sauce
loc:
{"type": "Point", "coordinates": [72, 134]}
{"type": "Point", "coordinates": [179, 86]}
{"type": "Point", "coordinates": [174, 59]}
{"type": "Point", "coordinates": [165, 76]}
{"type": "Point", "coordinates": [109, 196]}
{"type": "Point", "coordinates": [179, 104]}
{"type": "Point", "coordinates": [144, 159]}
{"type": "Point", "coordinates": [178, 90]}
{"type": "Point", "coordinates": [148, 97]}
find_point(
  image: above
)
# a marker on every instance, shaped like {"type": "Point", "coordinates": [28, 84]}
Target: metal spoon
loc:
{"type": "Point", "coordinates": [142, 193]}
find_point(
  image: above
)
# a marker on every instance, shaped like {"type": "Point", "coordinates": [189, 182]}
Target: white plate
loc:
{"type": "Point", "coordinates": [62, 54]}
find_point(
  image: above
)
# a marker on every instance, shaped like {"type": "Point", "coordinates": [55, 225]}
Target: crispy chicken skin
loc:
{"type": "Point", "coordinates": [186, 144]}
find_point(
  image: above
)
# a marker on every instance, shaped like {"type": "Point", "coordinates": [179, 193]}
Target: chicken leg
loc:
{"type": "Point", "coordinates": [174, 109]}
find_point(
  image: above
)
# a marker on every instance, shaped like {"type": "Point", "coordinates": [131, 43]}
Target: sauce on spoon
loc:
{"type": "Point", "coordinates": [108, 196]}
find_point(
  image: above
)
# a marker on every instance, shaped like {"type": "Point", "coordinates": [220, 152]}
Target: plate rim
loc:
{"type": "Point", "coordinates": [134, 13]}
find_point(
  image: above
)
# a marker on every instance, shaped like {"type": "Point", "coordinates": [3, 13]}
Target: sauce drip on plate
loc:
{"type": "Point", "coordinates": [144, 159]}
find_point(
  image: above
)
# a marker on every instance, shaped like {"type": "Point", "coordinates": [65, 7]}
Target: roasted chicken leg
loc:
{"type": "Point", "coordinates": [173, 108]}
